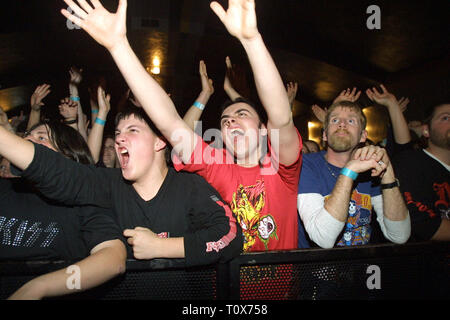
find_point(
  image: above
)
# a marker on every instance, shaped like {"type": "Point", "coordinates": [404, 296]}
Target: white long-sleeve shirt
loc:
{"type": "Point", "coordinates": [317, 181]}
{"type": "Point", "coordinates": [323, 228]}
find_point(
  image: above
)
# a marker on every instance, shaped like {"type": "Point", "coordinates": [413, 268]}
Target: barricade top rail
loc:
{"type": "Point", "coordinates": [288, 256]}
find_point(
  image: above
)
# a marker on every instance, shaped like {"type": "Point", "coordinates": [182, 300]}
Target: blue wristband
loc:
{"type": "Point", "coordinates": [75, 98]}
{"type": "Point", "coordinates": [100, 121]}
{"type": "Point", "coordinates": [199, 105]}
{"type": "Point", "coordinates": [349, 173]}
{"type": "Point", "coordinates": [94, 111]}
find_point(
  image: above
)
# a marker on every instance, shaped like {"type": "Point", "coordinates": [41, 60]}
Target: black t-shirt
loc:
{"type": "Point", "coordinates": [424, 183]}
{"type": "Point", "coordinates": [35, 228]}
{"type": "Point", "coordinates": [185, 205]}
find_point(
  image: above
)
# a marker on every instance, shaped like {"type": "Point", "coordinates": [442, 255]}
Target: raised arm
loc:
{"type": "Point", "coordinates": [106, 261]}
{"type": "Point", "coordinates": [93, 102]}
{"type": "Point", "coordinates": [348, 95]}
{"type": "Point", "coordinates": [36, 103]}
{"type": "Point", "coordinates": [109, 30]}
{"type": "Point", "coordinates": [75, 80]}
{"type": "Point", "coordinates": [195, 111]}
{"type": "Point", "coordinates": [319, 112]}
{"type": "Point", "coordinates": [240, 21]}
{"type": "Point", "coordinates": [95, 137]}
{"type": "Point", "coordinates": [227, 82]}
{"type": "Point", "coordinates": [291, 89]}
{"type": "Point", "coordinates": [399, 124]}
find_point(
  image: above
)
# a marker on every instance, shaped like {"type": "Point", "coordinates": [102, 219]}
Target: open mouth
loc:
{"type": "Point", "coordinates": [237, 132]}
{"type": "Point", "coordinates": [124, 157]}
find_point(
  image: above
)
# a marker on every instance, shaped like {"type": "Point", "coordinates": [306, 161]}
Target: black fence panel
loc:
{"type": "Point", "coordinates": [413, 271]}
{"type": "Point", "coordinates": [376, 272]}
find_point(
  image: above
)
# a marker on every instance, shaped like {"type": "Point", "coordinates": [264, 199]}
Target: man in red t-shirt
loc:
{"type": "Point", "coordinates": [258, 184]}
{"type": "Point", "coordinates": [260, 196]}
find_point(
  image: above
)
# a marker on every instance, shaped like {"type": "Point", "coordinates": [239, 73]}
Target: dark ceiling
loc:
{"type": "Point", "coordinates": [323, 45]}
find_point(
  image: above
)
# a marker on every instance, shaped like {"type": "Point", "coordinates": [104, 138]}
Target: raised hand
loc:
{"type": "Point", "coordinates": [384, 98]}
{"type": "Point", "coordinates": [403, 103]}
{"type": "Point", "coordinates": [319, 112]}
{"type": "Point", "coordinates": [132, 99]}
{"type": "Point", "coordinates": [207, 84]}
{"type": "Point", "coordinates": [38, 95]}
{"type": "Point", "coordinates": [16, 120]}
{"type": "Point", "coordinates": [227, 85]}
{"type": "Point", "coordinates": [103, 101]}
{"type": "Point", "coordinates": [292, 89]}
{"type": "Point", "coordinates": [416, 126]}
{"type": "Point", "coordinates": [229, 70]}
{"type": "Point", "coordinates": [75, 76]}
{"type": "Point", "coordinates": [348, 95]}
{"type": "Point", "coordinates": [108, 29]}
{"type": "Point", "coordinates": [239, 19]}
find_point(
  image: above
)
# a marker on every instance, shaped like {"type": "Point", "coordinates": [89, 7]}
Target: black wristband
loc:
{"type": "Point", "coordinates": [394, 184]}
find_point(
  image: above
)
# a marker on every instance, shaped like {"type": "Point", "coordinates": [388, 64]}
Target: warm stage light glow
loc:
{"type": "Point", "coordinates": [314, 131]}
{"type": "Point", "coordinates": [156, 65]}
{"type": "Point", "coordinates": [155, 70]}
{"type": "Point", "coordinates": [156, 61]}
{"type": "Point", "coordinates": [376, 123]}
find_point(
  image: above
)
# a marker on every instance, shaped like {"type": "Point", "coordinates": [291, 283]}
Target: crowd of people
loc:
{"type": "Point", "coordinates": [158, 189]}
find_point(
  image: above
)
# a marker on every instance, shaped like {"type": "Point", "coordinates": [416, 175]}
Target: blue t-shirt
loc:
{"type": "Point", "coordinates": [319, 176]}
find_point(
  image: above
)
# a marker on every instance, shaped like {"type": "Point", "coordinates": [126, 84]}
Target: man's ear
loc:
{"type": "Point", "coordinates": [324, 135]}
{"type": "Point", "coordinates": [426, 131]}
{"type": "Point", "coordinates": [160, 144]}
{"type": "Point", "coordinates": [363, 136]}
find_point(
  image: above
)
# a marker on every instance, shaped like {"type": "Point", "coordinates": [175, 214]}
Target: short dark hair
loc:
{"type": "Point", "coordinates": [67, 141]}
{"type": "Point", "coordinates": [262, 114]}
{"type": "Point", "coordinates": [140, 114]}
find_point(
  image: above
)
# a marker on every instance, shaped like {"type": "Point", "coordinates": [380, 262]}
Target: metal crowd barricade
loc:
{"type": "Point", "coordinates": [374, 272]}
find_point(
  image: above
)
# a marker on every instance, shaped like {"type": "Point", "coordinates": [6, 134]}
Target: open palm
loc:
{"type": "Point", "coordinates": [239, 19]}
{"type": "Point", "coordinates": [107, 28]}
{"type": "Point", "coordinates": [384, 97]}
